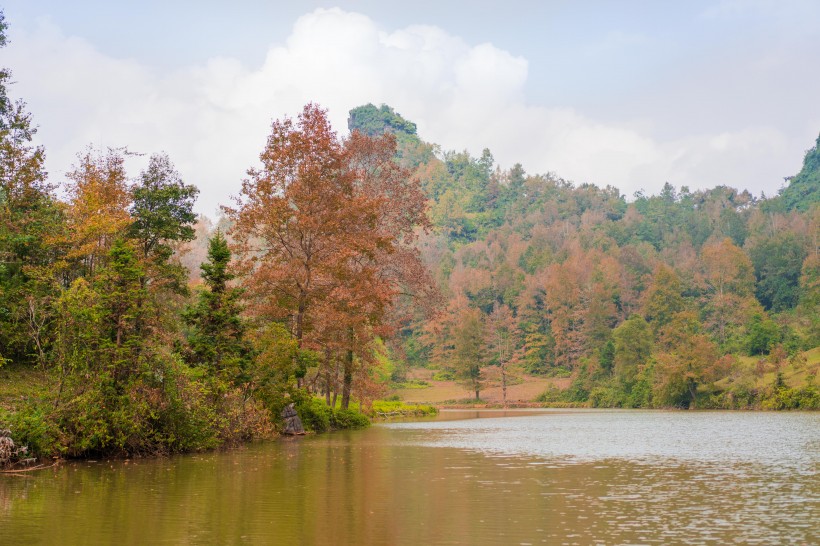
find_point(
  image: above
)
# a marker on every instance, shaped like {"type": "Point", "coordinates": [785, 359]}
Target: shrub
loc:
{"type": "Point", "coordinates": [552, 394]}
{"type": "Point", "coordinates": [315, 414]}
{"type": "Point", "coordinates": [413, 384]}
{"type": "Point", "coordinates": [785, 398]}
{"type": "Point", "coordinates": [318, 417]}
{"type": "Point", "coordinates": [606, 396]}
{"type": "Point", "coordinates": [32, 428]}
{"type": "Point", "coordinates": [348, 418]}
{"type": "Point", "coordinates": [559, 371]}
{"type": "Point", "coordinates": [444, 375]}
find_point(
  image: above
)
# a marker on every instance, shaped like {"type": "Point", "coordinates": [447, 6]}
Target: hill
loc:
{"type": "Point", "coordinates": [653, 301]}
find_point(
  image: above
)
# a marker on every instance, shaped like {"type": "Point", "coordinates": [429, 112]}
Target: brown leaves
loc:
{"type": "Point", "coordinates": [324, 230]}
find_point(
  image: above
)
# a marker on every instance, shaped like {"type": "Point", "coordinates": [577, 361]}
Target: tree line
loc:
{"type": "Point", "coordinates": [295, 297]}
{"type": "Point", "coordinates": [650, 302]}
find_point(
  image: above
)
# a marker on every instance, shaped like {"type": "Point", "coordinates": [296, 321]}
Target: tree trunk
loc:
{"type": "Point", "coordinates": [335, 382]}
{"type": "Point", "coordinates": [348, 380]}
{"type": "Point", "coordinates": [300, 314]}
{"type": "Point", "coordinates": [476, 395]}
{"type": "Point", "coordinates": [327, 388]}
{"type": "Point", "coordinates": [504, 384]}
{"type": "Point", "coordinates": [348, 372]}
{"type": "Point", "coordinates": [327, 376]}
{"type": "Point", "coordinates": [693, 389]}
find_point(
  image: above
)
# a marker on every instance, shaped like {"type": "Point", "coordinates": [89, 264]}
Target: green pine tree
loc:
{"type": "Point", "coordinates": [217, 337]}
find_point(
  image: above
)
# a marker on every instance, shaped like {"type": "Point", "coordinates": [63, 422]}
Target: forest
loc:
{"type": "Point", "coordinates": [128, 325]}
{"type": "Point", "coordinates": [703, 298]}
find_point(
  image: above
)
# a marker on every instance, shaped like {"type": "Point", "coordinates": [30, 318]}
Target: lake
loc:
{"type": "Point", "coordinates": [467, 477]}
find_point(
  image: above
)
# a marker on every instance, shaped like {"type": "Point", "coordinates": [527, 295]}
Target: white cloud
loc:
{"type": "Point", "coordinates": [213, 119]}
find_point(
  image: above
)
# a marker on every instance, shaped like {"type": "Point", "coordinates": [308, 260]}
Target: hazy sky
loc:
{"type": "Point", "coordinates": [632, 94]}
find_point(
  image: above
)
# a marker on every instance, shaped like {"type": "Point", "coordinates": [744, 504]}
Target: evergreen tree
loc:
{"type": "Point", "coordinates": [217, 338]}
{"type": "Point", "coordinates": [162, 209]}
{"type": "Point", "coordinates": [778, 260]}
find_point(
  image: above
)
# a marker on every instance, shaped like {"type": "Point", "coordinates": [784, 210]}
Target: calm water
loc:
{"type": "Point", "coordinates": [555, 477]}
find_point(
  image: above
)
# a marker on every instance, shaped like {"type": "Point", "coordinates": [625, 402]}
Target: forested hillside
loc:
{"type": "Point", "coordinates": [649, 301]}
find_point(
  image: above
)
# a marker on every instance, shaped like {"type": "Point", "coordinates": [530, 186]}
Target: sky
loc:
{"type": "Point", "coordinates": [631, 94]}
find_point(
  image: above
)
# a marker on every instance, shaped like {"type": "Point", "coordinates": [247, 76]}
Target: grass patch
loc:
{"type": "Point", "coordinates": [397, 408]}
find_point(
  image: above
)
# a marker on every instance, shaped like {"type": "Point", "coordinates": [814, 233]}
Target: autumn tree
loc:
{"type": "Point", "coordinates": [730, 278]}
{"type": "Point", "coordinates": [686, 359]}
{"type": "Point", "coordinates": [97, 212]}
{"type": "Point", "coordinates": [326, 227]}
{"type": "Point", "coordinates": [291, 219]}
{"type": "Point", "coordinates": [562, 299]}
{"type": "Point", "coordinates": [384, 262]}
{"type": "Point", "coordinates": [439, 332]}
{"type": "Point", "coordinates": [727, 268]}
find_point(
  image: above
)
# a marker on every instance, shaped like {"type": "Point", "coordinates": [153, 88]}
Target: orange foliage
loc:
{"type": "Point", "coordinates": [98, 207]}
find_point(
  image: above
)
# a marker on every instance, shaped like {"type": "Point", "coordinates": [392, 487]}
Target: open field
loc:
{"type": "Point", "coordinates": [526, 389]}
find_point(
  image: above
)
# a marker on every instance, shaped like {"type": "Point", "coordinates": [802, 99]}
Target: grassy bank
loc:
{"type": "Point", "coordinates": [756, 383]}
{"type": "Point", "coordinates": [386, 409]}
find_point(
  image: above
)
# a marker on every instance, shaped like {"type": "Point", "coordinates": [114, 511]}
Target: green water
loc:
{"type": "Point", "coordinates": [575, 477]}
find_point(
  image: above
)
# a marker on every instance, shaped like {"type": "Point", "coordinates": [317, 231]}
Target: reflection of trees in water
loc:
{"type": "Point", "coordinates": [9, 490]}
{"type": "Point", "coordinates": [13, 488]}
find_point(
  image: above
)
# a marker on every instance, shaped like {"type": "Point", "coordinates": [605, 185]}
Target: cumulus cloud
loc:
{"type": "Point", "coordinates": [213, 118]}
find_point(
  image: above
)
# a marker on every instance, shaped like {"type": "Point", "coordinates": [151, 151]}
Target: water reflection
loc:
{"type": "Point", "coordinates": [556, 477]}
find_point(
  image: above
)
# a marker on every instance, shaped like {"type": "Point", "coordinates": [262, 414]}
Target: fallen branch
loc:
{"type": "Point", "coordinates": [31, 469]}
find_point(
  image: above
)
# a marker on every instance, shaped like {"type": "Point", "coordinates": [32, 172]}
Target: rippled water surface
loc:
{"type": "Point", "coordinates": [554, 477]}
